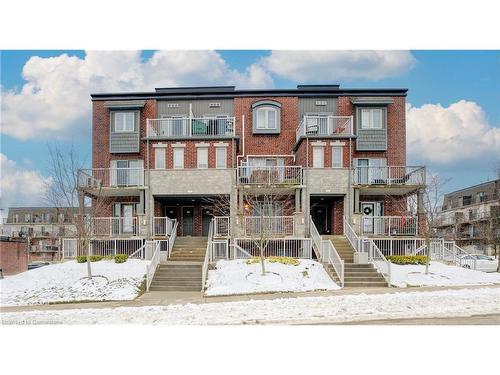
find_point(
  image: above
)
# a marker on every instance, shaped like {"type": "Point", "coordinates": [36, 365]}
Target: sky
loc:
{"type": "Point", "coordinates": [453, 102]}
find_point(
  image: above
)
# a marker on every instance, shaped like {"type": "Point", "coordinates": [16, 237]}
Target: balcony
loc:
{"type": "Point", "coordinates": [269, 226]}
{"type": "Point", "coordinates": [273, 175]}
{"type": "Point", "coordinates": [105, 180]}
{"type": "Point", "coordinates": [182, 128]}
{"type": "Point", "coordinates": [114, 226]}
{"type": "Point", "coordinates": [325, 126]}
{"type": "Point", "coordinates": [387, 225]}
{"type": "Point", "coordinates": [400, 179]}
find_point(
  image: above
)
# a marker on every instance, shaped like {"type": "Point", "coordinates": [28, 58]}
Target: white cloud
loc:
{"type": "Point", "coordinates": [446, 135]}
{"type": "Point", "coordinates": [20, 187]}
{"type": "Point", "coordinates": [332, 66]}
{"type": "Point", "coordinates": [54, 102]}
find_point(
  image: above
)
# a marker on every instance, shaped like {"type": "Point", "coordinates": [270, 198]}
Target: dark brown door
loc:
{"type": "Point", "coordinates": [187, 221]}
{"type": "Point", "coordinates": [205, 222]}
{"type": "Point", "coordinates": [319, 216]}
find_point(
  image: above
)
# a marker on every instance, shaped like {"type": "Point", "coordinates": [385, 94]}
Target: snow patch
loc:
{"type": "Point", "coordinates": [66, 282]}
{"type": "Point", "coordinates": [237, 277]}
{"type": "Point", "coordinates": [341, 308]}
{"type": "Point", "coordinates": [439, 275]}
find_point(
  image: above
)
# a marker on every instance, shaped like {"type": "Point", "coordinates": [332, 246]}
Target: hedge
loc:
{"type": "Point", "coordinates": [121, 258]}
{"type": "Point", "coordinates": [93, 258]}
{"type": "Point", "coordinates": [407, 259]}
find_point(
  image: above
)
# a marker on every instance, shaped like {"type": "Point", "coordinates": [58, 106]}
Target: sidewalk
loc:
{"type": "Point", "coordinates": [179, 298]}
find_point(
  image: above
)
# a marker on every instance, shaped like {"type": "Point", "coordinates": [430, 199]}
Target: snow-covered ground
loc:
{"type": "Point", "coordinates": [65, 282]}
{"type": "Point", "coordinates": [439, 275]}
{"type": "Point", "coordinates": [342, 308]}
{"type": "Point", "coordinates": [236, 277]}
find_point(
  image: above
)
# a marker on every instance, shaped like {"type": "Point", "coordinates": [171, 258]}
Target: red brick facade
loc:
{"type": "Point", "coordinates": [13, 257]}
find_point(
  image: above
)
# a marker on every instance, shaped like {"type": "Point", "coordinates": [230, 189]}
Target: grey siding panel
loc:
{"type": "Point", "coordinates": [124, 143]}
{"type": "Point", "coordinates": [371, 140]}
{"type": "Point", "coordinates": [308, 105]}
{"type": "Point", "coordinates": [200, 107]}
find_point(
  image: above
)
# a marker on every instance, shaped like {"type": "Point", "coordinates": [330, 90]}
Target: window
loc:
{"type": "Point", "coordinates": [27, 218]}
{"type": "Point", "coordinates": [337, 157]}
{"type": "Point", "coordinates": [466, 200]}
{"type": "Point", "coordinates": [16, 218]}
{"type": "Point", "coordinates": [178, 158]}
{"type": "Point", "coordinates": [159, 158]}
{"type": "Point", "coordinates": [481, 197]}
{"type": "Point", "coordinates": [371, 118]}
{"type": "Point", "coordinates": [318, 157]}
{"type": "Point", "coordinates": [202, 157]}
{"type": "Point", "coordinates": [127, 172]}
{"type": "Point", "coordinates": [220, 157]}
{"type": "Point", "coordinates": [124, 122]}
{"type": "Point", "coordinates": [266, 117]}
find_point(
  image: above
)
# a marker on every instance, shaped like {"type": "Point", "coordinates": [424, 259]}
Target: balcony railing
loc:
{"type": "Point", "coordinates": [222, 226]}
{"type": "Point", "coordinates": [190, 127]}
{"type": "Point", "coordinates": [255, 175]}
{"type": "Point", "coordinates": [269, 225]}
{"type": "Point", "coordinates": [114, 226]}
{"type": "Point", "coordinates": [110, 177]}
{"type": "Point", "coordinates": [327, 126]}
{"type": "Point", "coordinates": [163, 226]}
{"type": "Point", "coordinates": [389, 175]}
{"type": "Point", "coordinates": [389, 225]}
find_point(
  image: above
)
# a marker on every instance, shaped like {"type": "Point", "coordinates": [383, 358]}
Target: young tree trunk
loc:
{"type": "Point", "coordinates": [262, 261]}
{"type": "Point", "coordinates": [428, 247]}
{"type": "Point", "coordinates": [89, 268]}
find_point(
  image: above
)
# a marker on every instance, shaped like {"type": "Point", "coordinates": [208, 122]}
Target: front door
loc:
{"type": "Point", "coordinates": [205, 222]}
{"type": "Point", "coordinates": [128, 221]}
{"type": "Point", "coordinates": [319, 216]}
{"type": "Point", "coordinates": [368, 211]}
{"type": "Point", "coordinates": [187, 221]}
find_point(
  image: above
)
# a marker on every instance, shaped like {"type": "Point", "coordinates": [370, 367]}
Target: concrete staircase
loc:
{"type": "Point", "coordinates": [182, 271]}
{"type": "Point", "coordinates": [189, 249]}
{"type": "Point", "coordinates": [355, 275]}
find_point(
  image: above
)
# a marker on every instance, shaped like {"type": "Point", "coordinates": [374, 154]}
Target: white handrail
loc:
{"type": "Point", "coordinates": [208, 256]}
{"type": "Point", "coordinates": [171, 239]}
{"type": "Point", "coordinates": [378, 259]}
{"type": "Point", "coordinates": [316, 237]}
{"type": "Point", "coordinates": [351, 236]}
{"type": "Point", "coordinates": [241, 250]}
{"type": "Point", "coordinates": [141, 250]}
{"type": "Point", "coordinates": [153, 264]}
{"type": "Point", "coordinates": [331, 256]}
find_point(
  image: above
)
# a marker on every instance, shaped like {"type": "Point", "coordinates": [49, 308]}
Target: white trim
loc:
{"type": "Point", "coordinates": [202, 144]}
{"type": "Point", "coordinates": [161, 151]}
{"type": "Point", "coordinates": [318, 143]}
{"type": "Point", "coordinates": [221, 144]}
{"type": "Point", "coordinates": [341, 148]}
{"type": "Point", "coordinates": [337, 143]}
{"type": "Point", "coordinates": [316, 162]}
{"type": "Point", "coordinates": [162, 145]}
{"type": "Point", "coordinates": [176, 150]}
{"type": "Point", "coordinates": [183, 145]}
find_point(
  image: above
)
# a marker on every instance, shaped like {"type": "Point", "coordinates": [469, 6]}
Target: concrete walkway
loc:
{"type": "Point", "coordinates": [178, 298]}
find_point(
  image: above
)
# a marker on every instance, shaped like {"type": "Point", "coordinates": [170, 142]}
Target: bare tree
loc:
{"type": "Point", "coordinates": [63, 193]}
{"type": "Point", "coordinates": [430, 201]}
{"type": "Point", "coordinates": [260, 204]}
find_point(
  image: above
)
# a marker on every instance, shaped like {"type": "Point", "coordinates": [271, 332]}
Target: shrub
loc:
{"type": "Point", "coordinates": [81, 259]}
{"type": "Point", "coordinates": [96, 258]}
{"type": "Point", "coordinates": [109, 257]}
{"type": "Point", "coordinates": [407, 259]}
{"type": "Point", "coordinates": [121, 258]}
{"type": "Point", "coordinates": [282, 260]}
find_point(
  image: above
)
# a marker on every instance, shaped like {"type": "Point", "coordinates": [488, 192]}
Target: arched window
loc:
{"type": "Point", "coordinates": [266, 117]}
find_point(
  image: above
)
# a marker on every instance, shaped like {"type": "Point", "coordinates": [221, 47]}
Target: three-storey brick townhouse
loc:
{"type": "Point", "coordinates": [168, 162]}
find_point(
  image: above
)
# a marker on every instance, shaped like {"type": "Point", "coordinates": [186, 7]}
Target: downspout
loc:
{"type": "Point", "coordinates": [147, 198]}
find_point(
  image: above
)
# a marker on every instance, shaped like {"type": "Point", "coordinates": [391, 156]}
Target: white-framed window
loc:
{"type": "Point", "coordinates": [27, 218]}
{"type": "Point", "coordinates": [220, 157]}
{"type": "Point", "coordinates": [202, 157]}
{"type": "Point", "coordinates": [16, 218]}
{"type": "Point", "coordinates": [124, 122]}
{"type": "Point", "coordinates": [372, 118]}
{"type": "Point", "coordinates": [178, 157]}
{"type": "Point", "coordinates": [337, 156]}
{"type": "Point", "coordinates": [318, 157]}
{"type": "Point", "coordinates": [159, 158]}
{"type": "Point", "coordinates": [267, 118]}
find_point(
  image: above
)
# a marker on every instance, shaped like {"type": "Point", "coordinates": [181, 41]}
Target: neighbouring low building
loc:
{"type": "Point", "coordinates": [13, 255]}
{"type": "Point", "coordinates": [471, 217]}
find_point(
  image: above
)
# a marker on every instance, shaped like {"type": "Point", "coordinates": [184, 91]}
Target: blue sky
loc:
{"type": "Point", "coordinates": [454, 97]}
